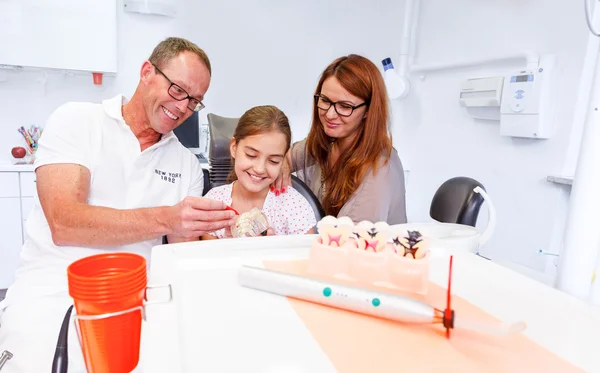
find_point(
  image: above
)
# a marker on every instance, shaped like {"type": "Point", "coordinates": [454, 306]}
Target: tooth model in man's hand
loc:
{"type": "Point", "coordinates": [250, 224]}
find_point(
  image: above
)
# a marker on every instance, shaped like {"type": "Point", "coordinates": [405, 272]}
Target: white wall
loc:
{"type": "Point", "coordinates": [262, 52]}
{"type": "Point", "coordinates": [440, 140]}
{"type": "Point", "coordinates": [25, 100]}
{"type": "Point", "coordinates": [268, 51]}
{"type": "Point", "coordinates": [272, 52]}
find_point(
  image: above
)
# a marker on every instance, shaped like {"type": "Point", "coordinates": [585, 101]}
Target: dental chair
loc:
{"type": "Point", "coordinates": [207, 185]}
{"type": "Point", "coordinates": [221, 131]}
{"type": "Point", "coordinates": [312, 199]}
{"type": "Point", "coordinates": [456, 202]}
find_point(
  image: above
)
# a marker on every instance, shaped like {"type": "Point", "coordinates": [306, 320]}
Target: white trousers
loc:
{"type": "Point", "coordinates": [29, 329]}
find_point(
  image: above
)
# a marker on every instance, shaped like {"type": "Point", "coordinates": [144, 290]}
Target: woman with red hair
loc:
{"type": "Point", "coordinates": [348, 159]}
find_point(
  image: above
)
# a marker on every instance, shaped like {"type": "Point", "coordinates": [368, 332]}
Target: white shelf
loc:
{"type": "Point", "coordinates": [9, 167]}
{"type": "Point", "coordinates": [51, 70]}
{"type": "Point", "coordinates": [560, 179]}
{"type": "Point", "coordinates": [161, 8]}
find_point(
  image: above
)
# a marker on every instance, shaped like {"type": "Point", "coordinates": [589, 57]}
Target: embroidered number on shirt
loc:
{"type": "Point", "coordinates": [169, 177]}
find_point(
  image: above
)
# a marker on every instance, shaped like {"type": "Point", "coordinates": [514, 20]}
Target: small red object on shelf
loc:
{"type": "Point", "coordinates": [97, 78]}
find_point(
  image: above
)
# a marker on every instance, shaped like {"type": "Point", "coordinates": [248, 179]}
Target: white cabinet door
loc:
{"type": "Point", "coordinates": [11, 239]}
{"type": "Point", "coordinates": [59, 34]}
{"type": "Point", "coordinates": [9, 184]}
{"type": "Point", "coordinates": [26, 207]}
{"type": "Point", "coordinates": [28, 185]}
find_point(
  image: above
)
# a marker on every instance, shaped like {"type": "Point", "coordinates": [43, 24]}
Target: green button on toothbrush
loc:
{"type": "Point", "coordinates": [375, 302]}
{"type": "Point", "coordinates": [327, 292]}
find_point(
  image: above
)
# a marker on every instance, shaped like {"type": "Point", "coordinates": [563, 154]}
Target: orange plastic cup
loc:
{"type": "Point", "coordinates": [107, 291]}
{"type": "Point", "coordinates": [104, 284]}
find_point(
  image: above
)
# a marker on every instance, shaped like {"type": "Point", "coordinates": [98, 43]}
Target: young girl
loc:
{"type": "Point", "coordinates": [258, 147]}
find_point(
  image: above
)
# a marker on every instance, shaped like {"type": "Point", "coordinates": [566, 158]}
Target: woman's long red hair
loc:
{"type": "Point", "coordinates": [360, 77]}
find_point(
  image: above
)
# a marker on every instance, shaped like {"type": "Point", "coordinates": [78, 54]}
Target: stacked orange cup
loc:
{"type": "Point", "coordinates": [108, 291]}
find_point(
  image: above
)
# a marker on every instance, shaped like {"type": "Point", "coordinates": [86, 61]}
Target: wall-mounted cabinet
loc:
{"type": "Point", "coordinates": [155, 7]}
{"type": "Point", "coordinates": [75, 35]}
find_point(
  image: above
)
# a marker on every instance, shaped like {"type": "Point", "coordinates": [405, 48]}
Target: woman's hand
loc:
{"type": "Point", "coordinates": [284, 180]}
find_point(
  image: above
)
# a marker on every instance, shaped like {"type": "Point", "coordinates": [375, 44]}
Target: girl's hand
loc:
{"type": "Point", "coordinates": [284, 180]}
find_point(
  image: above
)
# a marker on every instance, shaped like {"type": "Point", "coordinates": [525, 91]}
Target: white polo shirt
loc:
{"type": "Point", "coordinates": [122, 177]}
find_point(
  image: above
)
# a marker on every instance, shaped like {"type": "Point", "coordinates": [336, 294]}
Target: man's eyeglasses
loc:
{"type": "Point", "coordinates": [180, 94]}
{"type": "Point", "coordinates": [343, 109]}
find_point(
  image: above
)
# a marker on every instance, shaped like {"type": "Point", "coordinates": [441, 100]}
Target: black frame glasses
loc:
{"type": "Point", "coordinates": [181, 94]}
{"type": "Point", "coordinates": [322, 100]}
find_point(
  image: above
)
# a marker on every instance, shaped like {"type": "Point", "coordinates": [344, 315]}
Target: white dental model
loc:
{"type": "Point", "coordinates": [371, 237]}
{"type": "Point", "coordinates": [409, 244]}
{"type": "Point", "coordinates": [373, 253]}
{"type": "Point", "coordinates": [335, 232]}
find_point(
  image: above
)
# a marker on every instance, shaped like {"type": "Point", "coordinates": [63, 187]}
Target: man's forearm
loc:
{"type": "Point", "coordinates": [80, 224]}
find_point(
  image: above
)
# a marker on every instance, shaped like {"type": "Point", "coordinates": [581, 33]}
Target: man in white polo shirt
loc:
{"type": "Point", "coordinates": [110, 177]}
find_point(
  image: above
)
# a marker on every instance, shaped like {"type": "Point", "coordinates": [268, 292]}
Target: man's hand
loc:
{"type": "Point", "coordinates": [195, 216]}
{"type": "Point", "coordinates": [284, 180]}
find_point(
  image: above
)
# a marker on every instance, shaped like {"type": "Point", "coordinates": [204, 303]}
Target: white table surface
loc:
{"type": "Point", "coordinates": [205, 329]}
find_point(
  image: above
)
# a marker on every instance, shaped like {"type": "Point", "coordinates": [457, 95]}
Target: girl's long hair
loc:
{"type": "Point", "coordinates": [360, 77]}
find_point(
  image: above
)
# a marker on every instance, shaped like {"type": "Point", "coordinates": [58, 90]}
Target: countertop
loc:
{"type": "Point", "coordinates": [9, 167]}
{"type": "Point", "coordinates": [6, 166]}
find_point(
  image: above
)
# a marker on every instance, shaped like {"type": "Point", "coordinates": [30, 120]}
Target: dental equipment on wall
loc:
{"type": "Point", "coordinates": [482, 97]}
{"type": "Point", "coordinates": [522, 101]}
{"type": "Point", "coordinates": [397, 85]}
{"type": "Point", "coordinates": [528, 102]}
{"type": "Point", "coordinates": [396, 80]}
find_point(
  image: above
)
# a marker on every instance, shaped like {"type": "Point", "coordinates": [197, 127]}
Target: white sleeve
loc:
{"type": "Point", "coordinates": [66, 136]}
{"type": "Point", "coordinates": [197, 183]}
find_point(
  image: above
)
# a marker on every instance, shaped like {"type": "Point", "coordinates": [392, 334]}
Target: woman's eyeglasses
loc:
{"type": "Point", "coordinates": [180, 94]}
{"type": "Point", "coordinates": [343, 109]}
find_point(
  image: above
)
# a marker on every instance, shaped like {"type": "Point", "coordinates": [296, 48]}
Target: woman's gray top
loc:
{"type": "Point", "coordinates": [379, 197]}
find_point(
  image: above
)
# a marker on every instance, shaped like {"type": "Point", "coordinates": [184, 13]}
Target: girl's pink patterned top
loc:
{"type": "Point", "coordinates": [288, 214]}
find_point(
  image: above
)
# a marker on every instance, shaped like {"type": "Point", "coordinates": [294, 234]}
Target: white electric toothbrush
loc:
{"type": "Point", "coordinates": [378, 304]}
